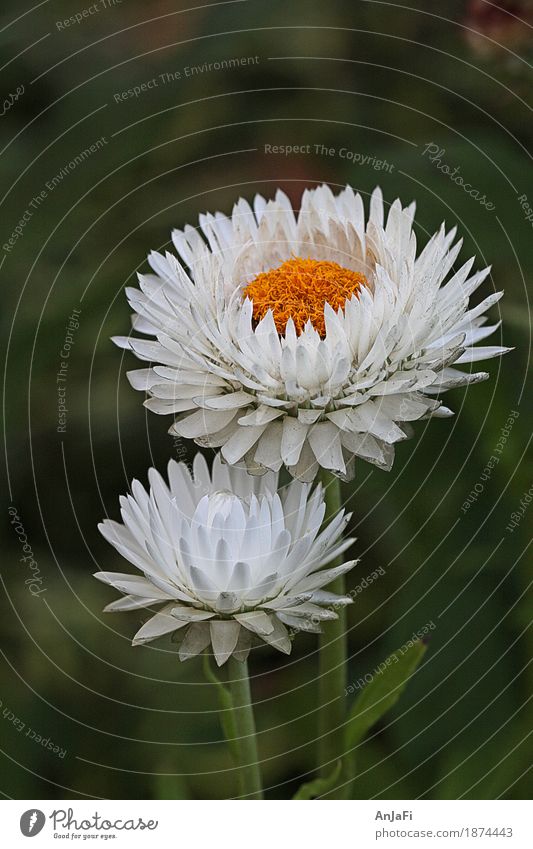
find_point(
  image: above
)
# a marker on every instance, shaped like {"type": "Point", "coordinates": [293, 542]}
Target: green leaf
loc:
{"type": "Point", "coordinates": [319, 786]}
{"type": "Point", "coordinates": [382, 692]}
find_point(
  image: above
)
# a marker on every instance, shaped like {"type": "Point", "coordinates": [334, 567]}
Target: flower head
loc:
{"type": "Point", "coordinates": [227, 556]}
{"type": "Point", "coordinates": [310, 339]}
{"type": "Point", "coordinates": [492, 28]}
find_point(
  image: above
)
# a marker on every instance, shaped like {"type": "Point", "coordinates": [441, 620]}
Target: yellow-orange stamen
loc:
{"type": "Point", "coordinates": [299, 289]}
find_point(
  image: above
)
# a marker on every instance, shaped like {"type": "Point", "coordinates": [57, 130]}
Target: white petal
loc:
{"type": "Point", "coordinates": [130, 602]}
{"type": "Point", "coordinates": [228, 402]}
{"type": "Point", "coordinates": [161, 623]}
{"type": "Point", "coordinates": [268, 451]}
{"type": "Point", "coordinates": [278, 637]}
{"type": "Point", "coordinates": [474, 355]}
{"type": "Point", "coordinates": [224, 635]}
{"type": "Point", "coordinates": [242, 440]}
{"type": "Point", "coordinates": [244, 644]}
{"type": "Point", "coordinates": [306, 467]}
{"type": "Point", "coordinates": [197, 638]}
{"type": "Point", "coordinates": [132, 585]}
{"type": "Point", "coordinates": [257, 621]}
{"type": "Point", "coordinates": [191, 614]}
{"type": "Point", "coordinates": [292, 440]}
{"type": "Point", "coordinates": [204, 422]}
{"type": "Point", "coordinates": [325, 442]}
{"type": "Point", "coordinates": [323, 578]}
{"type": "Point", "coordinates": [299, 624]}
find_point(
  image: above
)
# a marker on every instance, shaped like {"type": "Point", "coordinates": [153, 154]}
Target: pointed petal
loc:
{"type": "Point", "coordinates": [257, 621]}
{"type": "Point", "coordinates": [278, 638]}
{"type": "Point", "coordinates": [161, 623]}
{"type": "Point", "coordinates": [224, 636]}
{"type": "Point", "coordinates": [196, 640]}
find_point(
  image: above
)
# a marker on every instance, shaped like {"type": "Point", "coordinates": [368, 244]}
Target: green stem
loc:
{"type": "Point", "coordinates": [332, 661]}
{"type": "Point", "coordinates": [244, 723]}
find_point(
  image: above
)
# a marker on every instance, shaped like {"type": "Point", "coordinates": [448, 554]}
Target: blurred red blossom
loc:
{"type": "Point", "coordinates": [504, 24]}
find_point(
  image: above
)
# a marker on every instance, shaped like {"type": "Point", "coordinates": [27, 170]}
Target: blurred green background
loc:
{"type": "Point", "coordinates": [377, 79]}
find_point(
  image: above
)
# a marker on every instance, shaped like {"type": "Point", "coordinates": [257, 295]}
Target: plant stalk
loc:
{"type": "Point", "coordinates": [332, 661]}
{"type": "Point", "coordinates": [249, 775]}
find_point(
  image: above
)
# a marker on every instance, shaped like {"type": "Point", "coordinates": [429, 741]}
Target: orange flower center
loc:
{"type": "Point", "coordinates": [299, 289]}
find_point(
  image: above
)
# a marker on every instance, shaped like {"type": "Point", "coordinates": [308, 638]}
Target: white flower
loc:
{"type": "Point", "coordinates": [306, 339]}
{"type": "Point", "coordinates": [228, 557]}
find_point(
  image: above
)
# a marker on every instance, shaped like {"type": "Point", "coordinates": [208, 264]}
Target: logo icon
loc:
{"type": "Point", "coordinates": [32, 822]}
